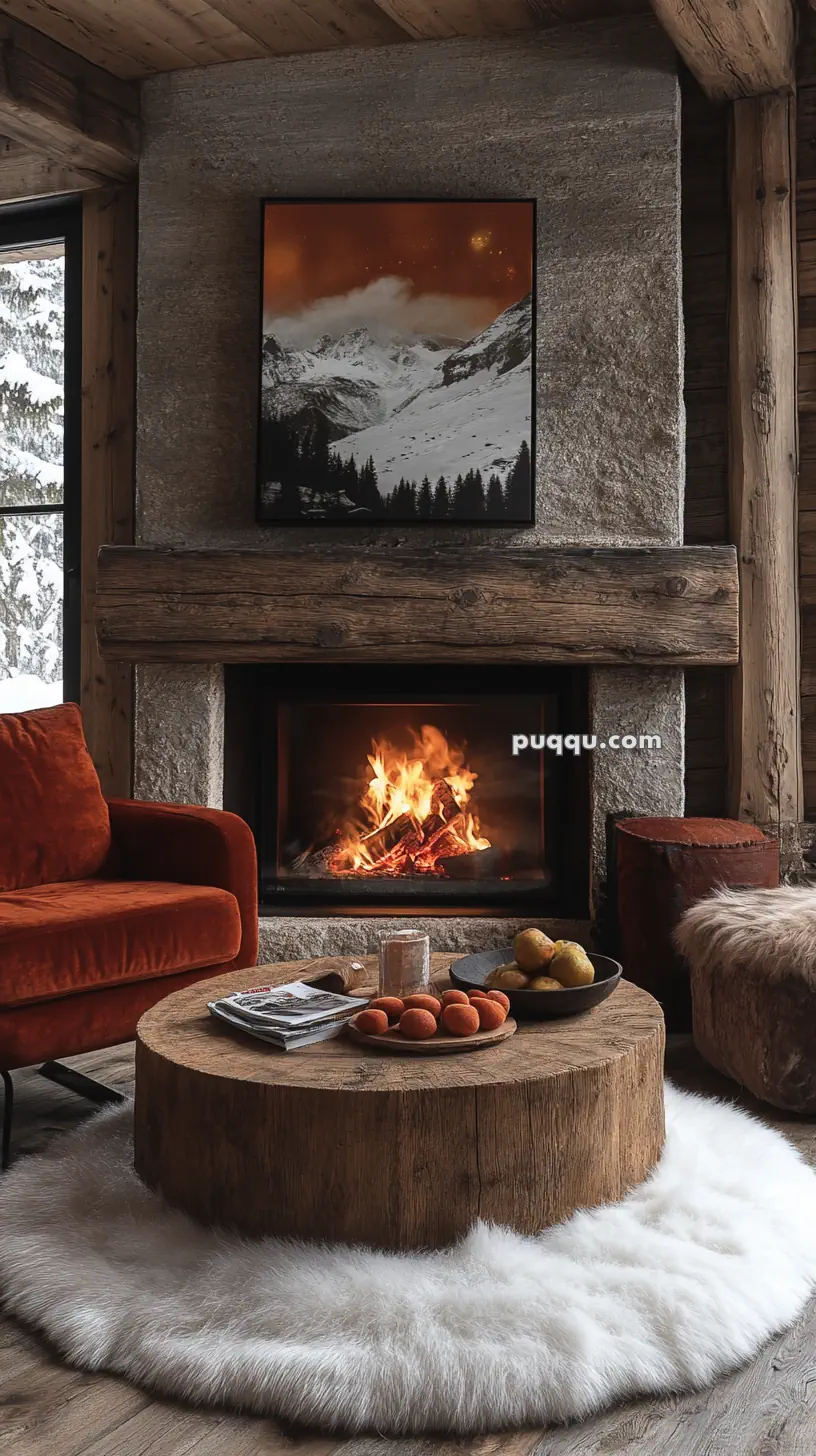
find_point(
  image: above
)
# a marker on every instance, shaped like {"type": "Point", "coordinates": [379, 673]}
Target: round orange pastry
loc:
{"type": "Point", "coordinates": [417, 1024]}
{"type": "Point", "coordinates": [391, 1005]}
{"type": "Point", "coordinates": [460, 1020]}
{"type": "Point", "coordinates": [500, 997]}
{"type": "Point", "coordinates": [372, 1021]}
{"type": "Point", "coordinates": [423, 1003]}
{"type": "Point", "coordinates": [491, 1014]}
{"type": "Point", "coordinates": [476, 996]}
{"type": "Point", "coordinates": [454, 998]}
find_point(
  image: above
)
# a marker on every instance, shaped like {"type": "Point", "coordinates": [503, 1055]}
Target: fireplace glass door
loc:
{"type": "Point", "coordinates": [394, 788]}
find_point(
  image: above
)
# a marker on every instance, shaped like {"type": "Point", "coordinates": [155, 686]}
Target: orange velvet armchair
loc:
{"type": "Point", "coordinates": [105, 906]}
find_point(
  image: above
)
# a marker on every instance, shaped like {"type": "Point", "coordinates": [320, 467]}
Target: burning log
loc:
{"type": "Point", "coordinates": [443, 802]}
{"type": "Point", "coordinates": [382, 841]}
{"type": "Point", "coordinates": [315, 863]}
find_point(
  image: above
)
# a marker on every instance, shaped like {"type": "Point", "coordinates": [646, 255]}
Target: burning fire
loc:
{"type": "Point", "coordinates": [414, 811]}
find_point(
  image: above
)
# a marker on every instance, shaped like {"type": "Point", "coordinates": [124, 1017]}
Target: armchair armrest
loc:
{"type": "Point", "coordinates": [191, 846]}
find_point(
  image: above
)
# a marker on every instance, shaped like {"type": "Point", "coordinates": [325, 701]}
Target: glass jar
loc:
{"type": "Point", "coordinates": [405, 963]}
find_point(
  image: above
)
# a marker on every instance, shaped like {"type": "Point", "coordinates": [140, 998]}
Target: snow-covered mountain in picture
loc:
{"type": "Point", "coordinates": [428, 426]}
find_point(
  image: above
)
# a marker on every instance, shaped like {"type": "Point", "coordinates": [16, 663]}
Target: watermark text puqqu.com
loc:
{"type": "Point", "coordinates": [578, 743]}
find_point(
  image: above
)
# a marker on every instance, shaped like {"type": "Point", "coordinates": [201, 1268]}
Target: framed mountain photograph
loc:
{"type": "Point", "coordinates": [397, 362]}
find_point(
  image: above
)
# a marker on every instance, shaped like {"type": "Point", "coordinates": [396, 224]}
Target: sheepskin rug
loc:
{"type": "Point", "coordinates": [667, 1290]}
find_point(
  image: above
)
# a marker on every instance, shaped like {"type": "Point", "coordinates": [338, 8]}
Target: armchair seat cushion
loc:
{"type": "Point", "coordinates": [65, 938]}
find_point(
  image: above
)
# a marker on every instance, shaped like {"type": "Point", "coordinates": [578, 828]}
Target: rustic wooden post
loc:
{"type": "Point", "coordinates": [108, 390]}
{"type": "Point", "coordinates": [766, 759]}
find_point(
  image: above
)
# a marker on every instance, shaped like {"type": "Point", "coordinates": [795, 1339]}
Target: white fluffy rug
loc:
{"type": "Point", "coordinates": [682, 1281]}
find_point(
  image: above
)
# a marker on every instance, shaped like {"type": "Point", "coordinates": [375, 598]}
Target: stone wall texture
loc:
{"type": "Point", "coordinates": [586, 120]}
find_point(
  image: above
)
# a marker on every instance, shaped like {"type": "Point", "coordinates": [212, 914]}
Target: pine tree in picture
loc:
{"type": "Point", "coordinates": [397, 362]}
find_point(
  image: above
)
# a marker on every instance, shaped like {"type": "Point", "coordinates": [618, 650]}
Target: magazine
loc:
{"type": "Point", "coordinates": [294, 1005]}
{"type": "Point", "coordinates": [286, 1016]}
{"type": "Point", "coordinates": [284, 1040]}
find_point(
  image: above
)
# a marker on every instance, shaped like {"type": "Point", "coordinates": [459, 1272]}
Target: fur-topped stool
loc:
{"type": "Point", "coordinates": [752, 955]}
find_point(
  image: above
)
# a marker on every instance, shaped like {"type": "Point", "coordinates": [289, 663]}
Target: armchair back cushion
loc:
{"type": "Point", "coordinates": [54, 821]}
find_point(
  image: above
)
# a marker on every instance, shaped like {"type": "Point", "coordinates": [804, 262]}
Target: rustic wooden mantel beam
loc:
{"type": "Point", "coordinates": [675, 606]}
{"type": "Point", "coordinates": [734, 49]}
{"type": "Point", "coordinates": [55, 102]}
{"type": "Point", "coordinates": [765, 757]}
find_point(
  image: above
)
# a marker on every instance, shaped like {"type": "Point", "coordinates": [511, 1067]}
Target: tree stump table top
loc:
{"type": "Point", "coordinates": [339, 1141]}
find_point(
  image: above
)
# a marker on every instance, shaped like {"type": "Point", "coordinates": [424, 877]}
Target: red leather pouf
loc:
{"type": "Point", "coordinates": [663, 867]}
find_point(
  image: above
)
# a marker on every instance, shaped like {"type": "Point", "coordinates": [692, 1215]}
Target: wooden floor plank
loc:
{"type": "Point", "coordinates": [48, 1409]}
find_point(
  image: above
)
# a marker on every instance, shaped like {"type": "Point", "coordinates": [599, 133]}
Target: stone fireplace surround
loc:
{"type": "Point", "coordinates": [585, 119]}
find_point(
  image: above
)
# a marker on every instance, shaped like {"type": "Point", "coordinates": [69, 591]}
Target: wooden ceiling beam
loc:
{"type": "Point", "coordinates": [26, 175]}
{"type": "Point", "coordinates": [57, 103]}
{"type": "Point", "coordinates": [734, 50]}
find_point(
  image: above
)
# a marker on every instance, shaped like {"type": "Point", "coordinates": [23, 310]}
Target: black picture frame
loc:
{"type": "Point", "coordinates": [269, 514]}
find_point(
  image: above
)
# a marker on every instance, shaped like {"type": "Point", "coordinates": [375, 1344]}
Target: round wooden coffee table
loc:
{"type": "Point", "coordinates": [338, 1141]}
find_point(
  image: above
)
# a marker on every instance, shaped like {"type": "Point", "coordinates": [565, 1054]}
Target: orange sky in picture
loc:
{"type": "Point", "coordinates": [466, 249]}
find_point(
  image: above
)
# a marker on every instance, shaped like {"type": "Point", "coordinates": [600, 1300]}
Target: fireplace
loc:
{"type": "Point", "coordinates": [378, 788]}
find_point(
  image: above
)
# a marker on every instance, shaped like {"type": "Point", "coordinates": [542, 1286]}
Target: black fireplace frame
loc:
{"type": "Point", "coordinates": [250, 780]}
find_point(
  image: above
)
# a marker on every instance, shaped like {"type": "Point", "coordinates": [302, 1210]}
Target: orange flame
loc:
{"type": "Point", "coordinates": [414, 811]}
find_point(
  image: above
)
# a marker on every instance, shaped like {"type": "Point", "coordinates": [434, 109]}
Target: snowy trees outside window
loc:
{"type": "Point", "coordinates": [32, 317]}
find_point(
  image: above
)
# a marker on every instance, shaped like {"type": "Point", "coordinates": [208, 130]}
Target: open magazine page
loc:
{"type": "Point", "coordinates": [293, 1005]}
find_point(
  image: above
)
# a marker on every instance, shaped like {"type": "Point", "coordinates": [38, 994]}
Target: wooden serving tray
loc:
{"type": "Point", "coordinates": [394, 1041]}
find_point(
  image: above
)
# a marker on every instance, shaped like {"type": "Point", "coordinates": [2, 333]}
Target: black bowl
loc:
{"type": "Point", "coordinates": [470, 973]}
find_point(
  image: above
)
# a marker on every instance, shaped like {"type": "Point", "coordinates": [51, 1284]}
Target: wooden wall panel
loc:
{"type": "Point", "coordinates": [108, 403]}
{"type": "Point", "coordinates": [705, 313]}
{"type": "Point", "coordinates": [806, 249]}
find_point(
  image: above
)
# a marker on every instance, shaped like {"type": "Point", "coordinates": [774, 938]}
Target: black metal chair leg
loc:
{"type": "Point", "coordinates": [77, 1082]}
{"type": "Point", "coordinates": [8, 1108]}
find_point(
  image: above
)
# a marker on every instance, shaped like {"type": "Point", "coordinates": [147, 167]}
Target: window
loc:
{"type": "Point", "coordinates": [40, 282]}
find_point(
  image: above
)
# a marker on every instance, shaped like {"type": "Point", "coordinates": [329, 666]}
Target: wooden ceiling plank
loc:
{"type": "Point", "coordinates": [54, 101]}
{"type": "Point", "coordinates": [26, 175]}
{"type": "Point", "coordinates": [444, 19]}
{"type": "Point", "coordinates": [355, 22]}
{"type": "Point", "coordinates": [160, 26]}
{"type": "Point", "coordinates": [734, 50]}
{"type": "Point", "coordinates": [134, 38]}
{"type": "Point", "coordinates": [284, 30]}
{"type": "Point", "coordinates": [289, 26]}
{"type": "Point", "coordinates": [77, 35]}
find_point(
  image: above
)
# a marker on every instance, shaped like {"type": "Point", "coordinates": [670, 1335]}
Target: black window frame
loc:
{"type": "Point", "coordinates": [61, 222]}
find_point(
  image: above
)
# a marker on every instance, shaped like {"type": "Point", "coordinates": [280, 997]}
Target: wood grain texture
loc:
{"type": "Point", "coordinates": [25, 174]}
{"type": "Point", "coordinates": [133, 38]}
{"type": "Point", "coordinates": [60, 104]}
{"type": "Point", "coordinates": [338, 1141]}
{"type": "Point", "coordinates": [767, 1407]}
{"type": "Point", "coordinates": [704, 223]}
{"type": "Point", "coordinates": [734, 50]}
{"type": "Point", "coordinates": [766, 760]}
{"type": "Point", "coordinates": [108, 401]}
{"type": "Point", "coordinates": [673, 605]}
{"type": "Point", "coordinates": [806, 285]}
{"type": "Point", "coordinates": [139, 37]}
{"type": "Point", "coordinates": [311, 25]}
